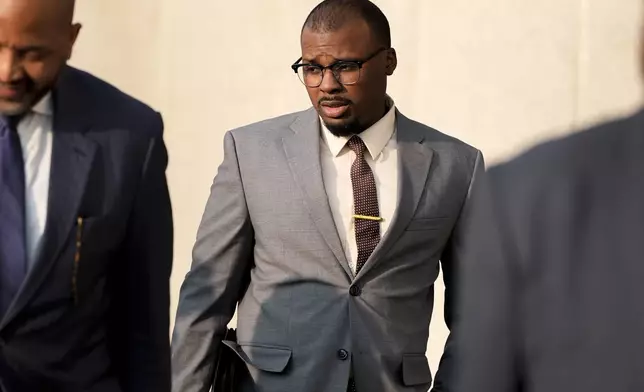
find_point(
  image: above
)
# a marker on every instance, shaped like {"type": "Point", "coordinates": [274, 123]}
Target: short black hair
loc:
{"type": "Point", "coordinates": [331, 15]}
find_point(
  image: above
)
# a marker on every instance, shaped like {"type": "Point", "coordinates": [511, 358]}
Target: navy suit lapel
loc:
{"type": "Point", "coordinates": [72, 157]}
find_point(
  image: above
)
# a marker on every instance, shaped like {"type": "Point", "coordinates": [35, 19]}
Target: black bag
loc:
{"type": "Point", "coordinates": [230, 370]}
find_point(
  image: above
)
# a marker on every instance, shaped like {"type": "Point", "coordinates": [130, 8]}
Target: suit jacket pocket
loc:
{"type": "Point", "coordinates": [94, 237]}
{"type": "Point", "coordinates": [415, 370]}
{"type": "Point", "coordinates": [98, 233]}
{"type": "Point", "coordinates": [263, 357]}
{"type": "Point", "coordinates": [84, 237]}
{"type": "Point", "coordinates": [420, 224]}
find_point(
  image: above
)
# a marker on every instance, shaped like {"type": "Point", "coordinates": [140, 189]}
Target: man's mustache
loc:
{"type": "Point", "coordinates": [334, 101]}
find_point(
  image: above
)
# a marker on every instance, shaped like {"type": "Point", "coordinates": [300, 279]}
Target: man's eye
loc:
{"type": "Point", "coordinates": [311, 69]}
{"type": "Point", "coordinates": [346, 67]}
{"type": "Point", "coordinates": [33, 55]}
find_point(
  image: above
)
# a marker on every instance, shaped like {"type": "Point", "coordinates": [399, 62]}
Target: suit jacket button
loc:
{"type": "Point", "coordinates": [355, 291]}
{"type": "Point", "coordinates": [343, 354]}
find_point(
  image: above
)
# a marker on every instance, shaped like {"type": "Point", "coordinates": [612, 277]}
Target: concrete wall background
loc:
{"type": "Point", "coordinates": [499, 74]}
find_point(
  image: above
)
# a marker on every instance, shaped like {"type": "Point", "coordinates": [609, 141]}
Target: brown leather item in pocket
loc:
{"type": "Point", "coordinates": [77, 257]}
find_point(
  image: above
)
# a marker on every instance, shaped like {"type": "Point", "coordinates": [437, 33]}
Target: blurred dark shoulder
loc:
{"type": "Point", "coordinates": [591, 178]}
{"type": "Point", "coordinates": [92, 100]}
{"type": "Point", "coordinates": [590, 154]}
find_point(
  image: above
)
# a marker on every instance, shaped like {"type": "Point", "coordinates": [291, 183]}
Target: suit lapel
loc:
{"type": "Point", "coordinates": [72, 157]}
{"type": "Point", "coordinates": [302, 150]}
{"type": "Point", "coordinates": [414, 162]}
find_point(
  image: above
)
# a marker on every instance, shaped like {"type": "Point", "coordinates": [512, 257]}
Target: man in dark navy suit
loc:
{"type": "Point", "coordinates": [85, 219]}
{"type": "Point", "coordinates": [551, 293]}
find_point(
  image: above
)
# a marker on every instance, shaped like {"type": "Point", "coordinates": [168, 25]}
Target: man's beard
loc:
{"type": "Point", "coordinates": [350, 128]}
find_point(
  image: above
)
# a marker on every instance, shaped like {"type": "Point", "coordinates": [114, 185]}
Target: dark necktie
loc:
{"type": "Point", "coordinates": [365, 199]}
{"type": "Point", "coordinates": [13, 257]}
{"type": "Point", "coordinates": [366, 211]}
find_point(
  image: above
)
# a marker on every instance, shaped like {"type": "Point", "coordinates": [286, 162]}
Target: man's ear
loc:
{"type": "Point", "coordinates": [392, 61]}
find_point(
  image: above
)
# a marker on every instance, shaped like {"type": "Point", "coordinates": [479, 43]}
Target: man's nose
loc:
{"type": "Point", "coordinates": [9, 65]}
{"type": "Point", "coordinates": [330, 83]}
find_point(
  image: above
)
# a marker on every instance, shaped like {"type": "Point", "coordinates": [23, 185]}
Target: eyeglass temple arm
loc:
{"type": "Point", "coordinates": [295, 65]}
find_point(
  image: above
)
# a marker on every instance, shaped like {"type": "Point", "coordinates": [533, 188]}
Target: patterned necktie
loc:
{"type": "Point", "coordinates": [366, 210]}
{"type": "Point", "coordinates": [13, 254]}
{"type": "Point", "coordinates": [365, 200]}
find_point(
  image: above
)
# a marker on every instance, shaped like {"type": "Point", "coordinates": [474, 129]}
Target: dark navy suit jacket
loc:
{"type": "Point", "coordinates": [552, 295]}
{"type": "Point", "coordinates": [93, 314]}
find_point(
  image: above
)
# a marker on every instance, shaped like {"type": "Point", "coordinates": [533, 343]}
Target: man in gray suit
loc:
{"type": "Point", "coordinates": [326, 228]}
{"type": "Point", "coordinates": [553, 298]}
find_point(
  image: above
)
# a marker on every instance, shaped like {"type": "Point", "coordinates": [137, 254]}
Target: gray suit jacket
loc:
{"type": "Point", "coordinates": [553, 292]}
{"type": "Point", "coordinates": [268, 240]}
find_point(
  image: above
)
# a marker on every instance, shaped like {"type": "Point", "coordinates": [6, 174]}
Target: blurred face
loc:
{"type": "Point", "coordinates": [348, 109]}
{"type": "Point", "coordinates": [36, 40]}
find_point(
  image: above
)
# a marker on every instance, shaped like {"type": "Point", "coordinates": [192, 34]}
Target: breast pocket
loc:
{"type": "Point", "coordinates": [99, 234]}
{"type": "Point", "coordinates": [425, 224]}
{"type": "Point", "coordinates": [95, 240]}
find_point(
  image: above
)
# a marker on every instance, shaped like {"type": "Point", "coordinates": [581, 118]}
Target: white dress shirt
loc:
{"type": "Point", "coordinates": [36, 138]}
{"type": "Point", "coordinates": [382, 157]}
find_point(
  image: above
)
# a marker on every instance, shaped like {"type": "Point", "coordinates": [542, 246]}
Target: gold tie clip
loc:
{"type": "Point", "coordinates": [371, 218]}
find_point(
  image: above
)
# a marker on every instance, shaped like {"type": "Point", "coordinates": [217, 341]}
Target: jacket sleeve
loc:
{"type": "Point", "coordinates": [221, 262]}
{"type": "Point", "coordinates": [488, 349]}
{"type": "Point", "coordinates": [141, 317]}
{"type": "Point", "coordinates": [451, 262]}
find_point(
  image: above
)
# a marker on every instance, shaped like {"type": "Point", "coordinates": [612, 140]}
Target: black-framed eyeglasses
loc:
{"type": "Point", "coordinates": [346, 72]}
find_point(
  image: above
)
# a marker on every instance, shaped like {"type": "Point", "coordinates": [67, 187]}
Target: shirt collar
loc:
{"type": "Point", "coordinates": [44, 106]}
{"type": "Point", "coordinates": [375, 137]}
